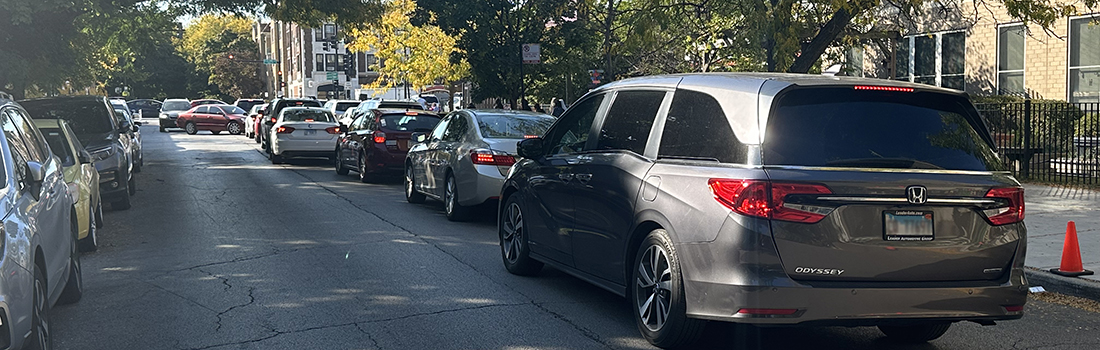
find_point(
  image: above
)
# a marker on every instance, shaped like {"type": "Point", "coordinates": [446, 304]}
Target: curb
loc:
{"type": "Point", "coordinates": [1078, 287]}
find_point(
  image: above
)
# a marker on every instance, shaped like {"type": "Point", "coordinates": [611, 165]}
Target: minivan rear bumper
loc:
{"type": "Point", "coordinates": [741, 269]}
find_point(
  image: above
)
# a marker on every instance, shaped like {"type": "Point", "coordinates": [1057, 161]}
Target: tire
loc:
{"type": "Point", "coordinates": [275, 158]}
{"type": "Point", "coordinates": [74, 286]}
{"type": "Point", "coordinates": [657, 295]}
{"type": "Point", "coordinates": [364, 175]}
{"type": "Point", "coordinates": [190, 128]}
{"type": "Point", "coordinates": [234, 128]}
{"type": "Point", "coordinates": [40, 314]}
{"type": "Point", "coordinates": [340, 169]}
{"type": "Point", "coordinates": [90, 243]}
{"type": "Point", "coordinates": [514, 247]}
{"type": "Point", "coordinates": [138, 164]}
{"type": "Point", "coordinates": [256, 136]}
{"type": "Point", "coordinates": [131, 186]}
{"type": "Point", "coordinates": [162, 129]}
{"type": "Point", "coordinates": [917, 333]}
{"type": "Point", "coordinates": [99, 215]}
{"type": "Point", "coordinates": [454, 210]}
{"type": "Point", "coordinates": [411, 194]}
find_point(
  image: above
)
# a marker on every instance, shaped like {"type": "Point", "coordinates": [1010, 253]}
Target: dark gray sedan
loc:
{"type": "Point", "coordinates": [464, 160]}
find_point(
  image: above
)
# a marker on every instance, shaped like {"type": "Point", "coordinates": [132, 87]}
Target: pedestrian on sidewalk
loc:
{"type": "Point", "coordinates": [559, 107]}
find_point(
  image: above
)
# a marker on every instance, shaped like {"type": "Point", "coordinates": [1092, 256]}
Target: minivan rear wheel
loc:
{"type": "Point", "coordinates": [917, 333]}
{"type": "Point", "coordinates": [513, 240]}
{"type": "Point", "coordinates": [657, 295]}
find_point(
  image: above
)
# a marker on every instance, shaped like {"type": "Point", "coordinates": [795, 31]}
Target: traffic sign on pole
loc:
{"type": "Point", "coordinates": [271, 61]}
{"type": "Point", "coordinates": [531, 53]}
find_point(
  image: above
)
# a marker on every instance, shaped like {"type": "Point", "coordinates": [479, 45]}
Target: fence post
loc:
{"type": "Point", "coordinates": [1025, 171]}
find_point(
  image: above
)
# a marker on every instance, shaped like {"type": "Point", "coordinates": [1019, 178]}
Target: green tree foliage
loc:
{"type": "Point", "coordinates": [221, 48]}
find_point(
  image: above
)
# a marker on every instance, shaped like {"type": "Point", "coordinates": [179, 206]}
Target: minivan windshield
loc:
{"type": "Point", "coordinates": [513, 126]}
{"type": "Point", "coordinates": [844, 127]}
{"type": "Point", "coordinates": [87, 118]}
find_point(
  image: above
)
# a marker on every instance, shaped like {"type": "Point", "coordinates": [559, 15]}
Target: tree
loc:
{"type": "Point", "coordinates": [418, 55]}
{"type": "Point", "coordinates": [221, 48]}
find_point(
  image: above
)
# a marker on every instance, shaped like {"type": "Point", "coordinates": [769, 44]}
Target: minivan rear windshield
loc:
{"type": "Point", "coordinates": [87, 118]}
{"type": "Point", "coordinates": [412, 123]}
{"type": "Point", "coordinates": [844, 127]}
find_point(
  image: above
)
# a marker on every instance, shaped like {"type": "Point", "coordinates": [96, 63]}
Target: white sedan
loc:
{"type": "Point", "coordinates": [303, 132]}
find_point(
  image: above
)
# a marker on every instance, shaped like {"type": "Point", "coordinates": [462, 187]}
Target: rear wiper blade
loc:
{"type": "Point", "coordinates": [893, 163]}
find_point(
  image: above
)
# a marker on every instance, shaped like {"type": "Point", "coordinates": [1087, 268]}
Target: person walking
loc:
{"type": "Point", "coordinates": [538, 109]}
{"type": "Point", "coordinates": [559, 107]}
{"type": "Point", "coordinates": [524, 105]}
{"type": "Point", "coordinates": [498, 105]}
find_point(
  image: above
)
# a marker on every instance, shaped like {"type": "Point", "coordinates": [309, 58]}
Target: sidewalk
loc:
{"type": "Point", "coordinates": [1047, 209]}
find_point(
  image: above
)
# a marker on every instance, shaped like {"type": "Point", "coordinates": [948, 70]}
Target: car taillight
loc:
{"type": "Point", "coordinates": [1013, 212]}
{"type": "Point", "coordinates": [487, 157]}
{"type": "Point", "coordinates": [284, 130]}
{"type": "Point", "coordinates": [379, 137]}
{"type": "Point", "coordinates": [333, 130]}
{"type": "Point", "coordinates": [765, 199]}
{"type": "Point", "coordinates": [272, 119]}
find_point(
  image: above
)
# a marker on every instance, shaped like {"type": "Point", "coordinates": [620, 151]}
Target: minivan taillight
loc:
{"type": "Point", "coordinates": [1013, 212]}
{"type": "Point", "coordinates": [765, 199]}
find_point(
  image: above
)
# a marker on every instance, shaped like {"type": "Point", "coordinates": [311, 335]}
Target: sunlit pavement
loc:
{"type": "Point", "coordinates": [223, 250]}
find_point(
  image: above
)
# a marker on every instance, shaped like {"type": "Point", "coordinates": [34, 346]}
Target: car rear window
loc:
{"type": "Point", "coordinates": [233, 110]}
{"type": "Point", "coordinates": [175, 106]}
{"type": "Point", "coordinates": [400, 105]}
{"type": "Point", "coordinates": [86, 118]}
{"type": "Point", "coordinates": [344, 106]}
{"type": "Point", "coordinates": [413, 123]}
{"type": "Point", "coordinates": [301, 115]}
{"type": "Point", "coordinates": [844, 127]}
{"type": "Point", "coordinates": [512, 126]}
{"type": "Point", "coordinates": [247, 104]}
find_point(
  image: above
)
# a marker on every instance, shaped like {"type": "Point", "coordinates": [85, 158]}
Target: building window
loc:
{"type": "Point", "coordinates": [1084, 59]}
{"type": "Point", "coordinates": [318, 34]}
{"type": "Point", "coordinates": [853, 62]}
{"type": "Point", "coordinates": [330, 31]}
{"type": "Point", "coordinates": [330, 62]}
{"type": "Point", "coordinates": [320, 62]}
{"type": "Point", "coordinates": [935, 59]}
{"type": "Point", "coordinates": [1010, 59]}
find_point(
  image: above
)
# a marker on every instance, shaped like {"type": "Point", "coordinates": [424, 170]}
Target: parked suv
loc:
{"type": "Point", "coordinates": [110, 143]}
{"type": "Point", "coordinates": [41, 264]}
{"type": "Point", "coordinates": [271, 114]}
{"type": "Point", "coordinates": [773, 199]}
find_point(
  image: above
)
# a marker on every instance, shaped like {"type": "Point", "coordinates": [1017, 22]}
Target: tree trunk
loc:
{"type": "Point", "coordinates": [812, 52]}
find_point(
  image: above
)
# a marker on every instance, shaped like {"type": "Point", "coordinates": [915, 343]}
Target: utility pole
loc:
{"type": "Point", "coordinates": [608, 37]}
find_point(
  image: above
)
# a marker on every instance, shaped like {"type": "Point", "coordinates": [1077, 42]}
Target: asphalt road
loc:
{"type": "Point", "coordinates": [223, 250]}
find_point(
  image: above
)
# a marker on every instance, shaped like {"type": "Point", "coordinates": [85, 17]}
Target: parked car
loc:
{"type": "Point", "coordinates": [41, 265]}
{"type": "Point", "coordinates": [773, 199]}
{"type": "Point", "coordinates": [170, 110]}
{"type": "Point", "coordinates": [133, 129]}
{"type": "Point", "coordinates": [108, 142]}
{"type": "Point", "coordinates": [376, 143]}
{"type": "Point", "coordinates": [247, 103]}
{"type": "Point", "coordinates": [338, 107]}
{"type": "Point", "coordinates": [213, 118]}
{"type": "Point", "coordinates": [303, 132]}
{"type": "Point", "coordinates": [80, 176]}
{"type": "Point", "coordinates": [251, 121]}
{"type": "Point", "coordinates": [144, 108]}
{"type": "Point", "coordinates": [200, 102]}
{"type": "Point", "coordinates": [271, 113]}
{"type": "Point", "coordinates": [463, 161]}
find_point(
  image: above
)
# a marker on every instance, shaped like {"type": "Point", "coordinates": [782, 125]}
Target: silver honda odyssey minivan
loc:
{"type": "Point", "coordinates": [773, 199]}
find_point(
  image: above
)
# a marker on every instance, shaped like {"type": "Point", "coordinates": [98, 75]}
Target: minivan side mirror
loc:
{"type": "Point", "coordinates": [35, 175]}
{"type": "Point", "coordinates": [530, 148]}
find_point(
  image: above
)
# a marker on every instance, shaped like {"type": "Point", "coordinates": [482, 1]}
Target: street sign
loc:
{"type": "Point", "coordinates": [271, 61]}
{"type": "Point", "coordinates": [531, 53]}
{"type": "Point", "coordinates": [331, 75]}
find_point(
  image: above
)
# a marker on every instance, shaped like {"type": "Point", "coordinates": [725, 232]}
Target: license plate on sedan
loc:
{"type": "Point", "coordinates": [907, 225]}
{"type": "Point", "coordinates": [311, 132]}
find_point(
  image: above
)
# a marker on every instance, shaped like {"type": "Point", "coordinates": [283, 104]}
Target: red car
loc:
{"type": "Point", "coordinates": [375, 144]}
{"type": "Point", "coordinates": [196, 103]}
{"type": "Point", "coordinates": [214, 118]}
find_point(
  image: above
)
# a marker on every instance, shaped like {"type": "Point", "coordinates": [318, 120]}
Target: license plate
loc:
{"type": "Point", "coordinates": [907, 225]}
{"type": "Point", "coordinates": [311, 132]}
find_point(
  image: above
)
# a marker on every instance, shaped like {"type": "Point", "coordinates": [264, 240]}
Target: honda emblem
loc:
{"type": "Point", "coordinates": [916, 194]}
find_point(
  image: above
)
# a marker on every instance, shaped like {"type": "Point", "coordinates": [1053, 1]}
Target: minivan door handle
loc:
{"type": "Point", "coordinates": [584, 178]}
{"type": "Point", "coordinates": [565, 177]}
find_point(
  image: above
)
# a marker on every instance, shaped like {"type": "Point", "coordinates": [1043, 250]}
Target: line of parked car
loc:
{"type": "Point", "coordinates": [63, 158]}
{"type": "Point", "coordinates": [756, 199]}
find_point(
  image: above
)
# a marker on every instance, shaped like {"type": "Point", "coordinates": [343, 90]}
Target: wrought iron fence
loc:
{"type": "Point", "coordinates": [1047, 141]}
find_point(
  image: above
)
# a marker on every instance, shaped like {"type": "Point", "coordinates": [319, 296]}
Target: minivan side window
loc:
{"type": "Point", "coordinates": [17, 147]}
{"type": "Point", "coordinates": [696, 127]}
{"type": "Point", "coordinates": [571, 132]}
{"type": "Point", "coordinates": [629, 121]}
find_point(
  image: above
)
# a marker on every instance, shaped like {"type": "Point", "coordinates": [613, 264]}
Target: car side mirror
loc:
{"type": "Point", "coordinates": [35, 171]}
{"type": "Point", "coordinates": [84, 157]}
{"type": "Point", "coordinates": [530, 148]}
{"type": "Point", "coordinates": [137, 123]}
{"type": "Point", "coordinates": [419, 137]}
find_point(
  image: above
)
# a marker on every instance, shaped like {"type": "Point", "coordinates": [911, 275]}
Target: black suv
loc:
{"type": "Point", "coordinates": [103, 134]}
{"type": "Point", "coordinates": [271, 113]}
{"type": "Point", "coordinates": [773, 199]}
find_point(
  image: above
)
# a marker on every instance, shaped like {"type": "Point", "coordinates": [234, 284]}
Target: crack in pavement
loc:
{"type": "Point", "coordinates": [584, 331]}
{"type": "Point", "coordinates": [251, 300]}
{"type": "Point", "coordinates": [369, 336]}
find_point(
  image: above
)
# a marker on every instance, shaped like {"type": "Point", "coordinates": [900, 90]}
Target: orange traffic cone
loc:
{"type": "Point", "coordinates": [1071, 255]}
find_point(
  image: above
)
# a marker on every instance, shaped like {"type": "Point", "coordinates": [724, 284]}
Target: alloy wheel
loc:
{"type": "Point", "coordinates": [409, 182]}
{"type": "Point", "coordinates": [449, 196]}
{"type": "Point", "coordinates": [42, 324]}
{"type": "Point", "coordinates": [513, 232]}
{"type": "Point", "coordinates": [234, 128]}
{"type": "Point", "coordinates": [653, 292]}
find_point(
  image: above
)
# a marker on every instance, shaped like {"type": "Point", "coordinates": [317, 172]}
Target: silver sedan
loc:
{"type": "Point", "coordinates": [464, 160]}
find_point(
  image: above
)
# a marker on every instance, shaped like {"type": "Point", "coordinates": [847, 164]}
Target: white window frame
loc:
{"type": "Point", "coordinates": [998, 59]}
{"type": "Point", "coordinates": [1069, 50]}
{"type": "Point", "coordinates": [911, 39]}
